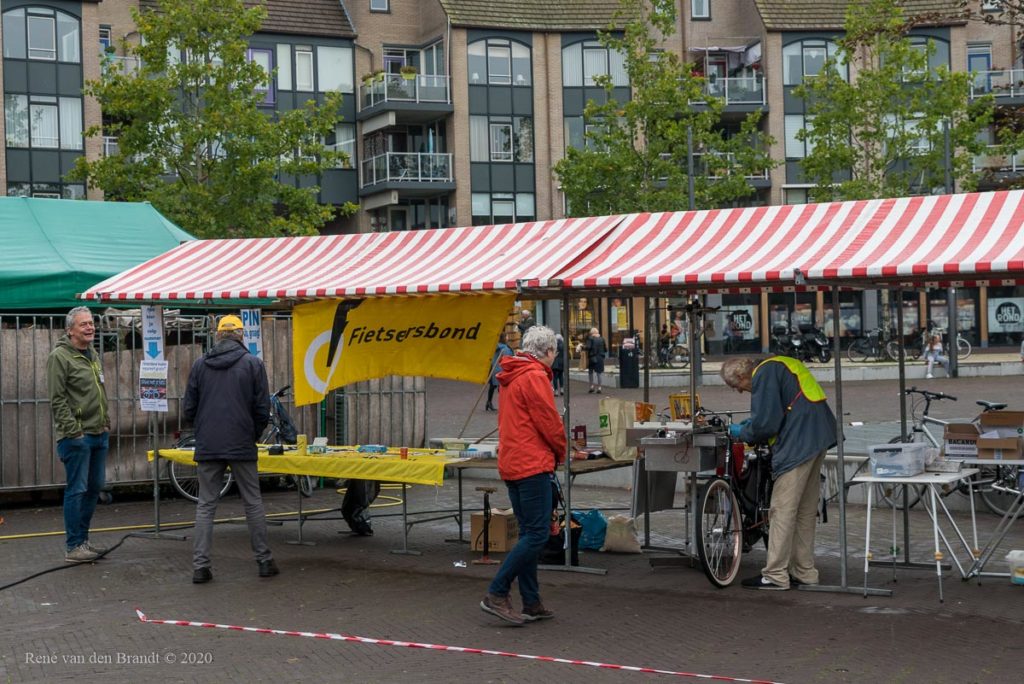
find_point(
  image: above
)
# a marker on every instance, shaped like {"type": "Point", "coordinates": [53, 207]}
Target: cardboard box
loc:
{"type": "Point", "coordinates": [1004, 423]}
{"type": "Point", "coordinates": [1000, 449]}
{"type": "Point", "coordinates": [503, 532]}
{"type": "Point", "coordinates": [961, 440]}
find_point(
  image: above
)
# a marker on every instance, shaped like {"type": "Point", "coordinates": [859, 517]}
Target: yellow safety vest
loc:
{"type": "Point", "coordinates": [809, 387]}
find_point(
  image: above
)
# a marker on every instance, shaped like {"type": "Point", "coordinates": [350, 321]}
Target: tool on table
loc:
{"type": "Point", "coordinates": [485, 559]}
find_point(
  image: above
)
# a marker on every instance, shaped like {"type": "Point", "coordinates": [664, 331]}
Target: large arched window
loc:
{"type": "Point", "coordinates": [499, 61]}
{"type": "Point", "coordinates": [805, 58]}
{"type": "Point", "coordinates": [42, 33]}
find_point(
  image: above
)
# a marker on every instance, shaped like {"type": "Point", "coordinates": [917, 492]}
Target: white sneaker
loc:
{"type": "Point", "coordinates": [929, 376]}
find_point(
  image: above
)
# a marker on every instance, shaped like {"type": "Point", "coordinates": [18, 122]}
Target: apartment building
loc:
{"type": "Point", "coordinates": [455, 112]}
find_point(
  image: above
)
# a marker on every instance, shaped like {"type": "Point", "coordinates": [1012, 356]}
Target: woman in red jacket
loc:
{"type": "Point", "coordinates": [531, 442]}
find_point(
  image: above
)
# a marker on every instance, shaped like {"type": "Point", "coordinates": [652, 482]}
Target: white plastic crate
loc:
{"type": "Point", "coordinates": [898, 460]}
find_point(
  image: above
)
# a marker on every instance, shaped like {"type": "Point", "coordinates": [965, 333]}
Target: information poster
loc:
{"type": "Point", "coordinates": [153, 385]}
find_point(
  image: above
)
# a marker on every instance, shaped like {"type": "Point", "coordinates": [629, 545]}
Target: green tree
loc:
{"type": "Point", "coordinates": [635, 152]}
{"type": "Point", "coordinates": [882, 132]}
{"type": "Point", "coordinates": [191, 138]}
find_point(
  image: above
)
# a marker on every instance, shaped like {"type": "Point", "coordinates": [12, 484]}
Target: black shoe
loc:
{"type": "Point", "coordinates": [762, 582]}
{"type": "Point", "coordinates": [201, 575]}
{"type": "Point", "coordinates": [489, 408]}
{"type": "Point", "coordinates": [268, 568]}
{"type": "Point", "coordinates": [794, 582]}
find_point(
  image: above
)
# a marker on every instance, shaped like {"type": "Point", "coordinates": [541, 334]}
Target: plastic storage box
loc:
{"type": "Point", "coordinates": [1016, 561]}
{"type": "Point", "coordinates": [898, 460]}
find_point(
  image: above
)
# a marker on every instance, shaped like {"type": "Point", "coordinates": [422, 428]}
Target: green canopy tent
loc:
{"type": "Point", "coordinates": [51, 249]}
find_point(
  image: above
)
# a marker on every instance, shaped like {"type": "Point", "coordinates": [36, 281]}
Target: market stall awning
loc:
{"type": "Point", "coordinates": [947, 238]}
{"type": "Point", "coordinates": [53, 249]}
{"type": "Point", "coordinates": [499, 257]}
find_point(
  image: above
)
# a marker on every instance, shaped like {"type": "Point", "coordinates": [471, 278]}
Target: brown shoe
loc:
{"type": "Point", "coordinates": [501, 607]}
{"type": "Point", "coordinates": [537, 612]}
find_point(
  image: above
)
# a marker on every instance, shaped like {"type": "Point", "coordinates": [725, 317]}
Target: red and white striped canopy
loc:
{"type": "Point", "coordinates": [918, 239]}
{"type": "Point", "coordinates": [448, 260]}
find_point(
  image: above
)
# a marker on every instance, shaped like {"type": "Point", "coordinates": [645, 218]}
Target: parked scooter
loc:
{"type": "Point", "coordinates": [785, 343]}
{"type": "Point", "coordinates": [816, 346]}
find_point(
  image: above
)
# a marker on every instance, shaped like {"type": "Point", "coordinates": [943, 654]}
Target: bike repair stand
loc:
{"type": "Point", "coordinates": [156, 533]}
{"type": "Point", "coordinates": [486, 559]}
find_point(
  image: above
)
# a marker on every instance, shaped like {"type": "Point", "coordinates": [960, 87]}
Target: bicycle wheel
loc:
{"type": "Point", "coordinates": [305, 484]}
{"type": "Point", "coordinates": [679, 355]}
{"type": "Point", "coordinates": [857, 352]}
{"type": "Point", "coordinates": [892, 351]}
{"type": "Point", "coordinates": [719, 533]}
{"type": "Point", "coordinates": [1005, 477]}
{"type": "Point", "coordinates": [963, 348]}
{"type": "Point", "coordinates": [184, 480]}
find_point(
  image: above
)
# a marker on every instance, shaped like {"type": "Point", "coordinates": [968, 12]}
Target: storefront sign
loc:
{"type": "Point", "coordinates": [1006, 315]}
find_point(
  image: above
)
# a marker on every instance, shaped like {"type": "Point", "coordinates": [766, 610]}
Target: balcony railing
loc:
{"type": "Point", "coordinates": [407, 167]}
{"type": "Point", "coordinates": [1001, 83]}
{"type": "Point", "coordinates": [998, 163]}
{"type": "Point", "coordinates": [396, 88]}
{"type": "Point", "coordinates": [742, 90]}
{"type": "Point", "coordinates": [127, 65]}
{"type": "Point", "coordinates": [700, 166]}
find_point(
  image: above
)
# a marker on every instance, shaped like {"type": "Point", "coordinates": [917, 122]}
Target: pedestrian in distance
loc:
{"type": "Point", "coordinates": [558, 366]}
{"type": "Point", "coordinates": [525, 321]}
{"type": "Point", "coordinates": [228, 402]}
{"type": "Point", "coordinates": [492, 382]}
{"type": "Point", "coordinates": [596, 350]}
{"type": "Point", "coordinates": [933, 353]}
{"type": "Point", "coordinates": [78, 403]}
{"type": "Point", "coordinates": [788, 405]}
{"type": "Point", "coordinates": [531, 443]}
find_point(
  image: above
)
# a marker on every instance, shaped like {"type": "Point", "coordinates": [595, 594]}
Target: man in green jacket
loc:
{"type": "Point", "coordinates": [78, 402]}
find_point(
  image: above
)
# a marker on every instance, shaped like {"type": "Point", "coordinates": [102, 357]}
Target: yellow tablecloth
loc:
{"type": "Point", "coordinates": [424, 466]}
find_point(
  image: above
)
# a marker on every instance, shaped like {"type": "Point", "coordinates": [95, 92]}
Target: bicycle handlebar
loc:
{"type": "Point", "coordinates": [929, 395]}
{"type": "Point", "coordinates": [281, 392]}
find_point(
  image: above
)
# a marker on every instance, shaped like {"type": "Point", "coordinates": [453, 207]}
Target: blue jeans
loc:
{"type": "Point", "coordinates": [531, 502]}
{"type": "Point", "coordinates": [85, 465]}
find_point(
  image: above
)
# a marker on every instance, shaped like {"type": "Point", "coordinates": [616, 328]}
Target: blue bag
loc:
{"type": "Point", "coordinates": [594, 526]}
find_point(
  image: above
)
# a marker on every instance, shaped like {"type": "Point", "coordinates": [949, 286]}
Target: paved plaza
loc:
{"type": "Point", "coordinates": [79, 622]}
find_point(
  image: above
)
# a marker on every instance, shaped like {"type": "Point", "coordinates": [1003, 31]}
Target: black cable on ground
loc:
{"type": "Point", "coordinates": [64, 566]}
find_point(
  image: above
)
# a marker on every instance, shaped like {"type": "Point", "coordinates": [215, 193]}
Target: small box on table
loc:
{"type": "Point", "coordinates": [898, 460]}
{"type": "Point", "coordinates": [961, 440]}
{"type": "Point", "coordinates": [502, 533]}
{"type": "Point", "coordinates": [1000, 448]}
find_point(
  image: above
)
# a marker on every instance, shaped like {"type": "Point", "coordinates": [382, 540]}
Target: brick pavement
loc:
{"type": "Point", "coordinates": [74, 624]}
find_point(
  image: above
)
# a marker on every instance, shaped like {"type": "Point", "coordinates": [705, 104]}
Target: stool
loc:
{"type": "Point", "coordinates": [485, 559]}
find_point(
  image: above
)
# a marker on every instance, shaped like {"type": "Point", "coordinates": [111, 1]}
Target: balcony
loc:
{"type": "Point", "coordinates": [1005, 85]}
{"type": "Point", "coordinates": [420, 99]}
{"type": "Point", "coordinates": [998, 165]}
{"type": "Point", "coordinates": [412, 174]}
{"type": "Point", "coordinates": [725, 161]}
{"type": "Point", "coordinates": [126, 65]}
{"type": "Point", "coordinates": [746, 92]}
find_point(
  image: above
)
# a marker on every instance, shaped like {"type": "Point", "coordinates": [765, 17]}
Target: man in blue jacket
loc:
{"type": "Point", "coordinates": [788, 410]}
{"type": "Point", "coordinates": [228, 402]}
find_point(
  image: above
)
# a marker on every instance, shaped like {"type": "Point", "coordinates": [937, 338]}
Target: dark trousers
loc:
{"type": "Point", "coordinates": [531, 502]}
{"type": "Point", "coordinates": [211, 479]}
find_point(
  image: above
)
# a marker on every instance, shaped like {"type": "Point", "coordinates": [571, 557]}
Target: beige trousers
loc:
{"type": "Point", "coordinates": [793, 516]}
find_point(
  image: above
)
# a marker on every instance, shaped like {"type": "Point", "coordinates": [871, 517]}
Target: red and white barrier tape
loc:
{"type": "Point", "coordinates": [440, 647]}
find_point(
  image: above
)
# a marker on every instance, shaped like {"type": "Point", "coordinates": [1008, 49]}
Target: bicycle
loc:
{"type": "Point", "coordinates": [872, 346]}
{"type": "Point", "coordinates": [734, 509]}
{"type": "Point", "coordinates": [996, 499]}
{"type": "Point", "coordinates": [281, 428]}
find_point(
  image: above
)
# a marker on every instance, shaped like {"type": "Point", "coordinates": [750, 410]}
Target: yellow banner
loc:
{"type": "Point", "coordinates": [337, 342]}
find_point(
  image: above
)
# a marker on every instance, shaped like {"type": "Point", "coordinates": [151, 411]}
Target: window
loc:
{"type": "Point", "coordinates": [41, 33]}
{"type": "Point", "coordinates": [700, 9]}
{"type": "Point", "coordinates": [43, 122]}
{"type": "Point", "coordinates": [501, 142]}
{"type": "Point", "coordinates": [380, 5]}
{"type": "Point", "coordinates": [105, 41]}
{"type": "Point", "coordinates": [304, 69]}
{"type": "Point", "coordinates": [582, 62]}
{"type": "Point", "coordinates": [344, 140]}
{"type": "Point", "coordinates": [503, 207]}
{"type": "Point", "coordinates": [807, 58]}
{"type": "Point", "coordinates": [48, 190]}
{"type": "Point", "coordinates": [939, 56]}
{"type": "Point", "coordinates": [42, 37]}
{"type": "Point", "coordinates": [284, 66]}
{"type": "Point", "coordinates": [795, 148]}
{"type": "Point", "coordinates": [498, 61]}
{"type": "Point", "coordinates": [500, 139]}
{"type": "Point", "coordinates": [979, 63]}
{"type": "Point", "coordinates": [334, 69]}
{"type": "Point", "coordinates": [265, 59]}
